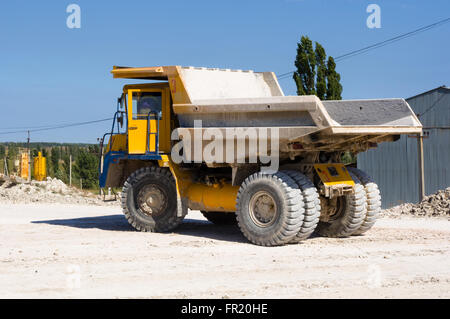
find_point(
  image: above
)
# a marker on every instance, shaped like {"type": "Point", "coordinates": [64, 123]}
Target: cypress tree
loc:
{"type": "Point", "coordinates": [334, 87]}
{"type": "Point", "coordinates": [321, 86]}
{"type": "Point", "coordinates": [314, 76]}
{"type": "Point", "coordinates": [305, 63]}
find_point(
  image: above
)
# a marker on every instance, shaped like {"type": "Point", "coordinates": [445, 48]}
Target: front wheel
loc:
{"type": "Point", "coordinates": [150, 201]}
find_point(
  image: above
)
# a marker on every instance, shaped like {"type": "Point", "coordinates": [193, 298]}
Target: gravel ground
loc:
{"type": "Point", "coordinates": [89, 251]}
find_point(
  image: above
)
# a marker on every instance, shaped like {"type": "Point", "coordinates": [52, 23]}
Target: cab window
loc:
{"type": "Point", "coordinates": [145, 102]}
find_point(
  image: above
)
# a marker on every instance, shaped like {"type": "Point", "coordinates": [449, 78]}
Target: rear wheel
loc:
{"type": "Point", "coordinates": [148, 200]}
{"type": "Point", "coordinates": [220, 218]}
{"type": "Point", "coordinates": [269, 209]}
{"type": "Point", "coordinates": [311, 205]}
{"type": "Point", "coordinates": [373, 203]}
{"type": "Point", "coordinates": [344, 214]}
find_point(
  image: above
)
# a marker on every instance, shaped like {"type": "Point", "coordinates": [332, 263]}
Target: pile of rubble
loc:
{"type": "Point", "coordinates": [435, 205]}
{"type": "Point", "coordinates": [52, 190]}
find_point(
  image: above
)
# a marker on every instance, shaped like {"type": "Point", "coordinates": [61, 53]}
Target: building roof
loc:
{"type": "Point", "coordinates": [443, 87]}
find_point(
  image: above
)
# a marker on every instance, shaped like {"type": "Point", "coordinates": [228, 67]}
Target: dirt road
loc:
{"type": "Point", "coordinates": [70, 251]}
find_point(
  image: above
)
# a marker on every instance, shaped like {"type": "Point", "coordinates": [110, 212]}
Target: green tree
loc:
{"type": "Point", "coordinates": [321, 86]}
{"type": "Point", "coordinates": [334, 87]}
{"type": "Point", "coordinates": [13, 152]}
{"type": "Point", "coordinates": [86, 168]}
{"type": "Point", "coordinates": [2, 156]}
{"type": "Point", "coordinates": [61, 174]}
{"type": "Point", "coordinates": [305, 62]}
{"type": "Point", "coordinates": [348, 158]}
{"type": "Point", "coordinates": [54, 160]}
{"type": "Point", "coordinates": [314, 76]}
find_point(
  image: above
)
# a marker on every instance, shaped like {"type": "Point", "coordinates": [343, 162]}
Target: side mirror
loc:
{"type": "Point", "coordinates": [120, 119]}
{"type": "Point", "coordinates": [120, 101]}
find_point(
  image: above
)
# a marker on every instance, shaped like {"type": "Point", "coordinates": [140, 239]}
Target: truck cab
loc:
{"type": "Point", "coordinates": [140, 131]}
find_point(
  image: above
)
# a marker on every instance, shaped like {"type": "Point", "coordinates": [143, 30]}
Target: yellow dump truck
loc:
{"type": "Point", "coordinates": [230, 144]}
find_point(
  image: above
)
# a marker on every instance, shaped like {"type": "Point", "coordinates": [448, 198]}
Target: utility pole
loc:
{"type": "Point", "coordinates": [421, 166]}
{"type": "Point", "coordinates": [420, 162]}
{"type": "Point", "coordinates": [6, 167]}
{"type": "Point", "coordinates": [70, 170]}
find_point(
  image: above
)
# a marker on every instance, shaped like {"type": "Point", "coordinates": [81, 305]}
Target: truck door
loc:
{"type": "Point", "coordinates": [144, 114]}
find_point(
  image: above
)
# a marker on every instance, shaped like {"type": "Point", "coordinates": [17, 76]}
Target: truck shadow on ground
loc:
{"type": "Point", "coordinates": [189, 227]}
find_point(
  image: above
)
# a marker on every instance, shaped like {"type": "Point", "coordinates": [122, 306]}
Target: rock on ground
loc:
{"type": "Point", "coordinates": [51, 190]}
{"type": "Point", "coordinates": [435, 205]}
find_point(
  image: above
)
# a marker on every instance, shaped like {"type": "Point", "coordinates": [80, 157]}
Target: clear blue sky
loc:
{"type": "Point", "coordinates": [51, 74]}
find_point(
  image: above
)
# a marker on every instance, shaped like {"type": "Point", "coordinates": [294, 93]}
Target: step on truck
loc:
{"type": "Point", "coordinates": [230, 144]}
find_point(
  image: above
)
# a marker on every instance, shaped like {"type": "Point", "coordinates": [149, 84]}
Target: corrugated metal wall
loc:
{"type": "Point", "coordinates": [394, 165]}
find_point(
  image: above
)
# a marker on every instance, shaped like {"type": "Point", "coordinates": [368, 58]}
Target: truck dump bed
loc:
{"type": "Point", "coordinates": [225, 99]}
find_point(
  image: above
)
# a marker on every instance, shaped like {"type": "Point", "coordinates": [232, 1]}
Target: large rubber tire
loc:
{"type": "Point", "coordinates": [173, 211]}
{"type": "Point", "coordinates": [311, 204]}
{"type": "Point", "coordinates": [351, 218]}
{"type": "Point", "coordinates": [277, 195]}
{"type": "Point", "coordinates": [220, 218]}
{"type": "Point", "coordinates": [373, 203]}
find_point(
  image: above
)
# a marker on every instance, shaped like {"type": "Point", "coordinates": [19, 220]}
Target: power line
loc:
{"type": "Point", "coordinates": [24, 127]}
{"type": "Point", "coordinates": [379, 44]}
{"type": "Point", "coordinates": [60, 126]}
{"type": "Point", "coordinates": [392, 40]}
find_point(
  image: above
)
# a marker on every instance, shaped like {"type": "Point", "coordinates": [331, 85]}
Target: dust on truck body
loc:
{"type": "Point", "coordinates": [230, 144]}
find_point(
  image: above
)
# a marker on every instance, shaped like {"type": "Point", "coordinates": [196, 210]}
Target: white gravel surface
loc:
{"type": "Point", "coordinates": [88, 251]}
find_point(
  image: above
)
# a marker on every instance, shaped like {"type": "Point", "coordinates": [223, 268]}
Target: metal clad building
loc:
{"type": "Point", "coordinates": [394, 166]}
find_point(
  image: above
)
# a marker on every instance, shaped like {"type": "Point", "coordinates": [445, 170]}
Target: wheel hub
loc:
{"type": "Point", "coordinates": [152, 200]}
{"type": "Point", "coordinates": [263, 209]}
{"type": "Point", "coordinates": [332, 209]}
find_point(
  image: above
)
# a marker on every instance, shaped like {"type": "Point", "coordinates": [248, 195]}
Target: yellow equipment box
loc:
{"type": "Point", "coordinates": [334, 174]}
{"type": "Point", "coordinates": [39, 167]}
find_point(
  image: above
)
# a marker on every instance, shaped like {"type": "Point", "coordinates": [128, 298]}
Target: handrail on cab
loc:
{"type": "Point", "coordinates": [157, 116]}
